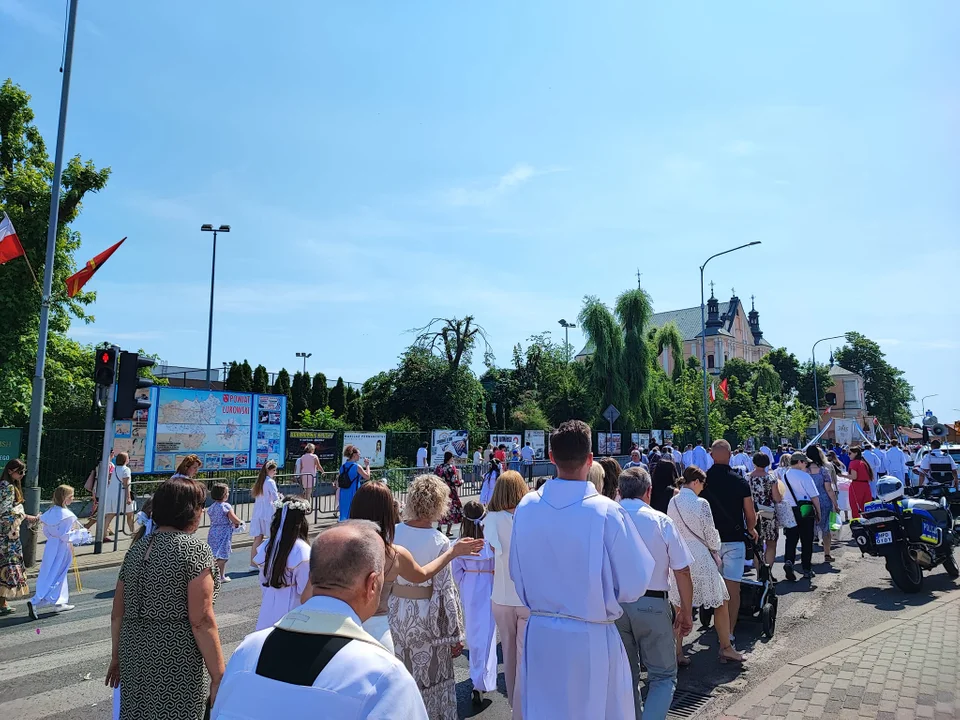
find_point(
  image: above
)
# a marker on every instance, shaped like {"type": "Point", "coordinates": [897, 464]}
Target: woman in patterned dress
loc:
{"type": "Point", "coordinates": [765, 488]}
{"type": "Point", "coordinates": [450, 474]}
{"type": "Point", "coordinates": [426, 620]}
{"type": "Point", "coordinates": [13, 577]}
{"type": "Point", "coordinates": [163, 628]}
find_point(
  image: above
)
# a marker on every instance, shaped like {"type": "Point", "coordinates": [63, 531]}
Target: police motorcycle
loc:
{"type": "Point", "coordinates": [913, 533]}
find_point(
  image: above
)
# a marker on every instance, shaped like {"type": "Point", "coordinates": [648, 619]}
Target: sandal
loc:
{"type": "Point", "coordinates": [731, 656]}
{"type": "Point", "coordinates": [828, 558]}
{"type": "Point", "coordinates": [7, 610]}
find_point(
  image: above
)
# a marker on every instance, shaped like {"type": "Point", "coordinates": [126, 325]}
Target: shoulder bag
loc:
{"type": "Point", "coordinates": [804, 508]}
{"type": "Point", "coordinates": [713, 553]}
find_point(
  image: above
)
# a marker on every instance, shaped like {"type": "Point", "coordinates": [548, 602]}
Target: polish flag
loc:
{"type": "Point", "coordinates": [827, 411]}
{"type": "Point", "coordinates": [10, 246]}
{"type": "Point", "coordinates": [713, 392]}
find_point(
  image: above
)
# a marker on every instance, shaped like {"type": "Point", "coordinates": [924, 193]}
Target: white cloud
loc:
{"type": "Point", "coordinates": [478, 195]}
{"type": "Point", "coordinates": [29, 17]}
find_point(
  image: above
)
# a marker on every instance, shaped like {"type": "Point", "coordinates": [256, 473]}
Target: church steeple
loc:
{"type": "Point", "coordinates": [753, 317]}
{"type": "Point", "coordinates": [713, 310]}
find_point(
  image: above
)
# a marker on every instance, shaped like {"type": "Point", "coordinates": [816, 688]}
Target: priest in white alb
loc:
{"type": "Point", "coordinates": [574, 558]}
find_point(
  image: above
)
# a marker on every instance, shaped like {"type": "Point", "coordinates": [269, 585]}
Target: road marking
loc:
{"type": "Point", "coordinates": [87, 652]}
{"type": "Point", "coordinates": [63, 699]}
{"type": "Point", "coordinates": [27, 634]}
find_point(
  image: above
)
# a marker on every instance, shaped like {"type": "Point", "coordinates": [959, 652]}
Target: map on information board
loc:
{"type": "Point", "coordinates": [226, 430]}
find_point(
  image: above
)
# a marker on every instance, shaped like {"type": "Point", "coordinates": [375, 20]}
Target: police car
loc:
{"type": "Point", "coordinates": [914, 464]}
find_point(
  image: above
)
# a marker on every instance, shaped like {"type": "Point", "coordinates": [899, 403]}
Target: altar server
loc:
{"type": "Point", "coordinates": [60, 527]}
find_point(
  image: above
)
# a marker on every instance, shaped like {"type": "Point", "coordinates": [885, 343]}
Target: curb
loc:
{"type": "Point", "coordinates": [760, 692]}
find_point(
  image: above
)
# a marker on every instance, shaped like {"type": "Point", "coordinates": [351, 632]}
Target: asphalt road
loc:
{"type": "Point", "coordinates": [55, 667]}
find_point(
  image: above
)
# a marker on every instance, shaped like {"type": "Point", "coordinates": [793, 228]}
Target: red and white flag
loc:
{"type": "Point", "coordinates": [10, 247]}
{"type": "Point", "coordinates": [713, 392]}
{"type": "Point", "coordinates": [827, 411]}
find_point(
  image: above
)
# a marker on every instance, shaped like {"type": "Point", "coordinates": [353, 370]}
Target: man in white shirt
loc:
{"type": "Point", "coordinates": [700, 457]}
{"type": "Point", "coordinates": [881, 452]}
{"type": "Point", "coordinates": [574, 665]}
{"type": "Point", "coordinates": [769, 453]}
{"type": "Point", "coordinates": [422, 456]}
{"type": "Point", "coordinates": [688, 455]}
{"type": "Point", "coordinates": [318, 661]}
{"type": "Point", "coordinates": [645, 626]}
{"type": "Point", "coordinates": [870, 455]}
{"type": "Point", "coordinates": [800, 489]}
{"type": "Point", "coordinates": [527, 455]}
{"type": "Point", "coordinates": [897, 461]}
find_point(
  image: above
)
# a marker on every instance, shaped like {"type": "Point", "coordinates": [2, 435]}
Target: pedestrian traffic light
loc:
{"type": "Point", "coordinates": [831, 398]}
{"type": "Point", "coordinates": [128, 382]}
{"type": "Point", "coordinates": [106, 366]}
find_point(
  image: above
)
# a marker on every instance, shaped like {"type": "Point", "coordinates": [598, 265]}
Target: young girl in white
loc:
{"type": "Point", "coordinates": [60, 526]}
{"type": "Point", "coordinates": [222, 522]}
{"type": "Point", "coordinates": [474, 576]}
{"type": "Point", "coordinates": [265, 494]}
{"type": "Point", "coordinates": [284, 561]}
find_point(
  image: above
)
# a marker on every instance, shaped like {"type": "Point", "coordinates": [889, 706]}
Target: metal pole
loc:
{"type": "Point", "coordinates": [31, 500]}
{"type": "Point", "coordinates": [213, 277]}
{"type": "Point", "coordinates": [103, 472]}
{"type": "Point", "coordinates": [816, 383]}
{"type": "Point", "coordinates": [566, 341]}
{"type": "Point", "coordinates": [703, 362]}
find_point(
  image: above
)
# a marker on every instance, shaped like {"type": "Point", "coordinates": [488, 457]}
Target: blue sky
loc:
{"type": "Point", "coordinates": [385, 163]}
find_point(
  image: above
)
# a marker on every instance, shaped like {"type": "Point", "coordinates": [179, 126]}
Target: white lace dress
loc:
{"type": "Point", "coordinates": [694, 520]}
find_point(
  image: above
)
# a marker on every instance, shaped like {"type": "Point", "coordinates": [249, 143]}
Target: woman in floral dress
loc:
{"type": "Point", "coordinates": [765, 488]}
{"type": "Point", "coordinates": [13, 577]}
{"type": "Point", "coordinates": [450, 474]}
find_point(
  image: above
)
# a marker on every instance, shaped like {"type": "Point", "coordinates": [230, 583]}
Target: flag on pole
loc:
{"type": "Point", "coordinates": [76, 281]}
{"type": "Point", "coordinates": [713, 392]}
{"type": "Point", "coordinates": [725, 389]}
{"type": "Point", "coordinates": [10, 247]}
{"type": "Point", "coordinates": [827, 411]}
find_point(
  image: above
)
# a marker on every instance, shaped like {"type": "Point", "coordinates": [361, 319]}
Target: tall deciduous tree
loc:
{"type": "Point", "coordinates": [606, 363]}
{"type": "Point", "coordinates": [261, 380]}
{"type": "Point", "coordinates": [25, 177]}
{"type": "Point", "coordinates": [787, 367]}
{"type": "Point", "coordinates": [453, 339]}
{"type": "Point", "coordinates": [887, 391]}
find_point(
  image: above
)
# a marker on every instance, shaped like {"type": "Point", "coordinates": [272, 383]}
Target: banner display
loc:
{"type": "Point", "coordinates": [9, 444]}
{"type": "Point", "coordinates": [538, 441]}
{"type": "Point", "coordinates": [668, 435]}
{"type": "Point", "coordinates": [608, 443]}
{"type": "Point", "coordinates": [843, 430]}
{"type": "Point", "coordinates": [657, 436]}
{"type": "Point", "coordinates": [456, 441]}
{"type": "Point", "coordinates": [226, 430]}
{"type": "Point", "coordinates": [372, 445]}
{"type": "Point", "coordinates": [324, 442]}
{"type": "Point", "coordinates": [510, 441]}
{"type": "Point", "coordinates": [641, 440]}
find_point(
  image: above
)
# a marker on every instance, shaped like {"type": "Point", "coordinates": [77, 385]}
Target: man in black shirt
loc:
{"type": "Point", "coordinates": [735, 517]}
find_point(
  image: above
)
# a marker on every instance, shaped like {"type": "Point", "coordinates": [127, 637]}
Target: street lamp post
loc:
{"type": "Point", "coordinates": [816, 384]}
{"type": "Point", "coordinates": [922, 405]}
{"type": "Point", "coordinates": [703, 340]}
{"type": "Point", "coordinates": [213, 276]}
{"type": "Point", "coordinates": [304, 355]}
{"type": "Point", "coordinates": [566, 335]}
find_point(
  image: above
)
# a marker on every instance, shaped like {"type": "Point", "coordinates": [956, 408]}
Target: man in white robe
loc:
{"type": "Point", "coordinates": [688, 455]}
{"type": "Point", "coordinates": [700, 456]}
{"type": "Point", "coordinates": [769, 453]}
{"type": "Point", "coordinates": [742, 460]}
{"type": "Point", "coordinates": [575, 557]}
{"type": "Point", "coordinates": [318, 662]}
{"type": "Point", "coordinates": [896, 461]}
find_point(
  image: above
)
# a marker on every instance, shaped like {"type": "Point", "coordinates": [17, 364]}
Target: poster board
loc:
{"type": "Point", "coordinates": [511, 441]}
{"type": "Point", "coordinates": [843, 430]}
{"type": "Point", "coordinates": [372, 445]}
{"type": "Point", "coordinates": [9, 444]}
{"type": "Point", "coordinates": [608, 444]}
{"type": "Point", "coordinates": [226, 430]}
{"type": "Point", "coordinates": [641, 439]}
{"type": "Point", "coordinates": [324, 442]}
{"type": "Point", "coordinates": [657, 436]}
{"type": "Point", "coordinates": [456, 441]}
{"type": "Point", "coordinates": [538, 441]}
{"type": "Point", "coordinates": [668, 435]}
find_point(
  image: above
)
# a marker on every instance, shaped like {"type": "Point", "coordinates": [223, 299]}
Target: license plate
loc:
{"type": "Point", "coordinates": [884, 538]}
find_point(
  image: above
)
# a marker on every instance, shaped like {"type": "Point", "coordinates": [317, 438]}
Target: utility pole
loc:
{"type": "Point", "coordinates": [31, 501]}
{"type": "Point", "coordinates": [103, 472]}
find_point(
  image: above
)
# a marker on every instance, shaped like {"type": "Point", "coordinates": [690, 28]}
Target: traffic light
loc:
{"type": "Point", "coordinates": [128, 382]}
{"type": "Point", "coordinates": [106, 367]}
{"type": "Point", "coordinates": [831, 398]}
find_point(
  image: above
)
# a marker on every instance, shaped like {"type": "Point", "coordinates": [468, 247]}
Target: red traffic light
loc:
{"type": "Point", "coordinates": [105, 358]}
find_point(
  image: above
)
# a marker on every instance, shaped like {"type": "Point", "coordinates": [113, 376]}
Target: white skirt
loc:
{"type": "Point", "coordinates": [260, 526]}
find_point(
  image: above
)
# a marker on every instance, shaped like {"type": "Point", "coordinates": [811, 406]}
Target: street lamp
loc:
{"type": "Point", "coordinates": [304, 355]}
{"type": "Point", "coordinates": [922, 406]}
{"type": "Point", "coordinates": [816, 384]}
{"type": "Point", "coordinates": [213, 275]}
{"type": "Point", "coordinates": [566, 335]}
{"type": "Point", "coordinates": [703, 340]}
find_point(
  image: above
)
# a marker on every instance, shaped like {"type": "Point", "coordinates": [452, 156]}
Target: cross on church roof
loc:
{"type": "Point", "coordinates": [711, 288]}
{"type": "Point", "coordinates": [733, 292]}
{"type": "Point", "coordinates": [639, 274]}
{"type": "Point", "coordinates": [751, 303]}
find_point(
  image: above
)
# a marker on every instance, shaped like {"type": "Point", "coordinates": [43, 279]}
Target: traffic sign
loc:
{"type": "Point", "coordinates": [611, 414]}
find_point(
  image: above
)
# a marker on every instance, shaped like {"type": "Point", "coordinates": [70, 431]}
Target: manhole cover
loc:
{"type": "Point", "coordinates": [686, 704]}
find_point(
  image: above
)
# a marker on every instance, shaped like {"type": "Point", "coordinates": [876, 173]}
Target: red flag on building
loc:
{"type": "Point", "coordinates": [10, 247]}
{"type": "Point", "coordinates": [76, 281]}
{"type": "Point", "coordinates": [725, 389]}
{"type": "Point", "coordinates": [713, 392]}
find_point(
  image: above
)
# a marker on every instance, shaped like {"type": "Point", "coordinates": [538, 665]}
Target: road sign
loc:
{"type": "Point", "coordinates": [611, 414]}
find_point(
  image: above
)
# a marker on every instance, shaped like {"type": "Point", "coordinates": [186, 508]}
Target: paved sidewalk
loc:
{"type": "Point", "coordinates": [901, 669]}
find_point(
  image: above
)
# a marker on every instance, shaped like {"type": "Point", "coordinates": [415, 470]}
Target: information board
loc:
{"type": "Point", "coordinates": [9, 444]}
{"type": "Point", "coordinates": [324, 442]}
{"type": "Point", "coordinates": [372, 445]}
{"type": "Point", "coordinates": [456, 441]}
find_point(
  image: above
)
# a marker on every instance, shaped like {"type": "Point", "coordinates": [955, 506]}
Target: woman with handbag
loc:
{"type": "Point", "coordinates": [352, 476]}
{"type": "Point", "coordinates": [765, 487]}
{"type": "Point", "coordinates": [694, 520]}
{"type": "Point", "coordinates": [803, 496]}
{"type": "Point", "coordinates": [819, 471]}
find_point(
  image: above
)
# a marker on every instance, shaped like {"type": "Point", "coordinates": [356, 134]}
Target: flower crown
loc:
{"type": "Point", "coordinates": [294, 504]}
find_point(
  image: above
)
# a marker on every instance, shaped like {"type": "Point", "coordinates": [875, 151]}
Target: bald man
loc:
{"type": "Point", "coordinates": [317, 661]}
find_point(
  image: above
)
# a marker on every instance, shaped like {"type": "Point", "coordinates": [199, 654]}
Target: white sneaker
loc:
{"type": "Point", "coordinates": [226, 579]}
{"type": "Point", "coordinates": [62, 608]}
{"type": "Point", "coordinates": [255, 568]}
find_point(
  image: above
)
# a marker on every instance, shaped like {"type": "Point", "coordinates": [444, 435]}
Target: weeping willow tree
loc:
{"type": "Point", "coordinates": [606, 363]}
{"type": "Point", "coordinates": [633, 311]}
{"type": "Point", "coordinates": [669, 337]}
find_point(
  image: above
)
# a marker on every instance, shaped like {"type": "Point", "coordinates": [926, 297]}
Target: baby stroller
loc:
{"type": "Point", "coordinates": [758, 596]}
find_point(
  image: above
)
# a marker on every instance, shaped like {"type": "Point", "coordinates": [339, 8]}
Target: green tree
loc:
{"type": "Point", "coordinates": [355, 413]}
{"type": "Point", "coordinates": [318, 392]}
{"type": "Point", "coordinates": [432, 395]}
{"type": "Point", "coordinates": [376, 400]}
{"type": "Point", "coordinates": [453, 339]}
{"type": "Point", "coordinates": [281, 386]}
{"type": "Point", "coordinates": [528, 415]}
{"type": "Point", "coordinates": [606, 363]}
{"type": "Point", "coordinates": [322, 419]}
{"type": "Point", "coordinates": [233, 381]}
{"type": "Point", "coordinates": [634, 311]}
{"type": "Point", "coordinates": [787, 367]}
{"type": "Point", "coordinates": [668, 336]}
{"type": "Point", "coordinates": [298, 394]}
{"type": "Point", "coordinates": [246, 377]}
{"type": "Point", "coordinates": [887, 391]}
{"type": "Point", "coordinates": [26, 173]}
{"type": "Point", "coordinates": [338, 399]}
{"type": "Point", "coordinates": [261, 380]}
{"type": "Point", "coordinates": [805, 393]}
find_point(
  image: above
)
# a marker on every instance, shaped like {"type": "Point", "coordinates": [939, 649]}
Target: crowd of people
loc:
{"type": "Point", "coordinates": [581, 580]}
